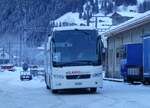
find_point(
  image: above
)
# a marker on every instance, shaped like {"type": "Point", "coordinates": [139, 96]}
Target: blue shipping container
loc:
{"type": "Point", "coordinates": [133, 54]}
{"type": "Point", "coordinates": [132, 62]}
{"type": "Point", "coordinates": [146, 50]}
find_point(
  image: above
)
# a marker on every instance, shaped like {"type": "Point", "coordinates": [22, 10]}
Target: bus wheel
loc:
{"type": "Point", "coordinates": [132, 82]}
{"type": "Point", "coordinates": [125, 79]}
{"type": "Point", "coordinates": [47, 86]}
{"type": "Point", "coordinates": [54, 91]}
{"type": "Point", "coordinates": [145, 82]}
{"type": "Point", "coordinates": [93, 90]}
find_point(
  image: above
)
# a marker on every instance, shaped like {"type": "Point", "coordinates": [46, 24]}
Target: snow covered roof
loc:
{"type": "Point", "coordinates": [129, 14]}
{"type": "Point", "coordinates": [99, 14]}
{"type": "Point", "coordinates": [73, 28]}
{"type": "Point", "coordinates": [126, 14]}
{"type": "Point", "coordinates": [70, 17]}
{"type": "Point", "coordinates": [134, 22]}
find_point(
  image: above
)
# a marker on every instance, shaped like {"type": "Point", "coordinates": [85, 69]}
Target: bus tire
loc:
{"type": "Point", "coordinates": [54, 91]}
{"type": "Point", "coordinates": [144, 82]}
{"type": "Point", "coordinates": [21, 78]}
{"type": "Point", "coordinates": [47, 87]}
{"type": "Point", "coordinates": [46, 82]}
{"type": "Point", "coordinates": [45, 78]}
{"type": "Point", "coordinates": [125, 79]}
{"type": "Point", "coordinates": [132, 82]}
{"type": "Point", "coordinates": [93, 90]}
{"type": "Point", "coordinates": [30, 78]}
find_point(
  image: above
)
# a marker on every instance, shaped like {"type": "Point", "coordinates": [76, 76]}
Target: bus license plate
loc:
{"type": "Point", "coordinates": [78, 83]}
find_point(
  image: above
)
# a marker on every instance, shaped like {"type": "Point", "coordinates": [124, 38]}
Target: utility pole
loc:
{"type": "Point", "coordinates": [20, 37]}
{"type": "Point", "coordinates": [22, 6]}
{"type": "Point", "coordinates": [3, 55]}
{"type": "Point", "coordinates": [88, 16]}
{"type": "Point", "coordinates": [95, 22]}
{"type": "Point", "coordinates": [24, 24]}
{"type": "Point", "coordinates": [20, 49]}
{"type": "Point", "coordinates": [9, 50]}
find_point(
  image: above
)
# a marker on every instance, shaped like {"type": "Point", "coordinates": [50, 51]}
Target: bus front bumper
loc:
{"type": "Point", "coordinates": [77, 83]}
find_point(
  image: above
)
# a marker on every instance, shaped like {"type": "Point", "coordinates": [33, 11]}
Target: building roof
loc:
{"type": "Point", "coordinates": [114, 14]}
{"type": "Point", "coordinates": [124, 14]}
{"type": "Point", "coordinates": [132, 23]}
{"type": "Point", "coordinates": [74, 28]}
{"type": "Point", "coordinates": [70, 17]}
{"type": "Point", "coordinates": [129, 14]}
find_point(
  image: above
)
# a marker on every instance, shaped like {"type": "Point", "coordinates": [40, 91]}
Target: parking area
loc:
{"type": "Point", "coordinates": [33, 94]}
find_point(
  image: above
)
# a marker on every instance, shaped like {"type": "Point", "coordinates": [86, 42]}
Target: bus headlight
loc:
{"type": "Point", "coordinates": [96, 74]}
{"type": "Point", "coordinates": [58, 76]}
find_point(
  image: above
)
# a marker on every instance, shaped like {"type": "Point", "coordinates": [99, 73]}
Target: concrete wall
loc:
{"type": "Point", "coordinates": [115, 42]}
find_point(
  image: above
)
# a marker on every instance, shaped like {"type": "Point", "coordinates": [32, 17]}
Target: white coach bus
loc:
{"type": "Point", "coordinates": [73, 59]}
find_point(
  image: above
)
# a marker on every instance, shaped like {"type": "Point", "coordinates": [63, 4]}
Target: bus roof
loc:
{"type": "Point", "coordinates": [74, 28]}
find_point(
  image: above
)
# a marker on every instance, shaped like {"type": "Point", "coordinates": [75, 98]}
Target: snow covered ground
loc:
{"type": "Point", "coordinates": [33, 94]}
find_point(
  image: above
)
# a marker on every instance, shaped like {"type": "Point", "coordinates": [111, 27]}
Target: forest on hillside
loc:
{"type": "Point", "coordinates": [17, 14]}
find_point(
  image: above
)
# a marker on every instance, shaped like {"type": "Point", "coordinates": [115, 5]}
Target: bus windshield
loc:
{"type": "Point", "coordinates": [74, 47]}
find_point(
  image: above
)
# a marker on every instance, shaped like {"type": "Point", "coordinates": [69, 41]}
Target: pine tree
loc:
{"type": "Point", "coordinates": [95, 6]}
{"type": "Point", "coordinates": [119, 2]}
{"type": "Point", "coordinates": [107, 6]}
{"type": "Point", "coordinates": [130, 2]}
{"type": "Point", "coordinates": [145, 6]}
